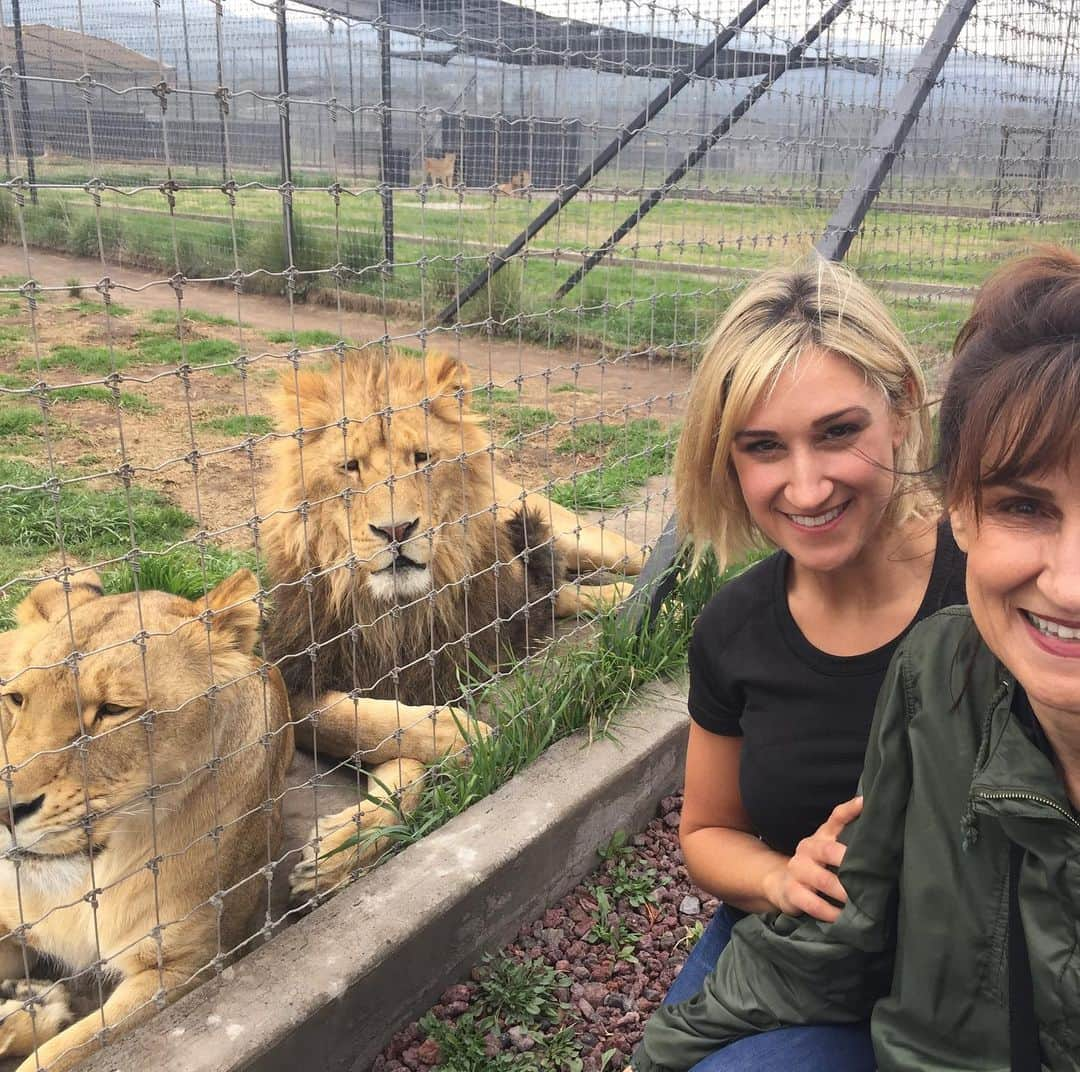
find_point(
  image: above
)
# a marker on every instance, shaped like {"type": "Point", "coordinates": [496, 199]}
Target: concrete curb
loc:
{"type": "Point", "coordinates": [327, 993]}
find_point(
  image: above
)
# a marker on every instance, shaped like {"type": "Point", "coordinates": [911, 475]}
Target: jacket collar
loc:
{"type": "Point", "coordinates": [1013, 778]}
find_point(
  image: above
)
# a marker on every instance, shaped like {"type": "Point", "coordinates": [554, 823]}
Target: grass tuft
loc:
{"type": "Point", "coordinates": [160, 349]}
{"type": "Point", "coordinates": [94, 393]}
{"type": "Point", "coordinates": [310, 337]}
{"type": "Point", "coordinates": [89, 359]}
{"type": "Point", "coordinates": [194, 316]}
{"type": "Point", "coordinates": [239, 425]}
{"type": "Point", "coordinates": [18, 420]}
{"type": "Point", "coordinates": [183, 571]}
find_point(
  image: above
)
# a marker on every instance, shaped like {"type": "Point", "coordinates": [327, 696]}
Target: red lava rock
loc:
{"type": "Point", "coordinates": [608, 1000]}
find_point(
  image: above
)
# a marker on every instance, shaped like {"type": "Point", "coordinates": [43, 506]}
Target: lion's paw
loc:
{"type": "Point", "coordinates": [20, 1029]}
{"type": "Point", "coordinates": [328, 859]}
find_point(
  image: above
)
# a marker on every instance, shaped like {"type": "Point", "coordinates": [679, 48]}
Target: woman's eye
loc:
{"type": "Point", "coordinates": [420, 457]}
{"type": "Point", "coordinates": [351, 466]}
{"type": "Point", "coordinates": [1020, 507]}
{"type": "Point", "coordinates": [762, 446]}
{"type": "Point", "coordinates": [841, 431]}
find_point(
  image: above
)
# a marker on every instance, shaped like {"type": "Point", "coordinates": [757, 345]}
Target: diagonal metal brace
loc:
{"type": "Point", "coordinates": [889, 137]}
{"type": "Point", "coordinates": [703, 59]}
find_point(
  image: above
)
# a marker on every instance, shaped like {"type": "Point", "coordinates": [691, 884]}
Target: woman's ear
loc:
{"type": "Point", "coordinates": [961, 528]}
{"type": "Point", "coordinates": [903, 411]}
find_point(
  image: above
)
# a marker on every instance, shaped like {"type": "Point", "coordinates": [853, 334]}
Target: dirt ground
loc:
{"type": "Point", "coordinates": [216, 478]}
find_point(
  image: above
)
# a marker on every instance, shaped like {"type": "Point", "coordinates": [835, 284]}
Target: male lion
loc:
{"type": "Point", "coordinates": [141, 800]}
{"type": "Point", "coordinates": [402, 562]}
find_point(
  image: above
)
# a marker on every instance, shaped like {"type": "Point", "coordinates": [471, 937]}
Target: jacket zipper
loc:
{"type": "Point", "coordinates": [1031, 797]}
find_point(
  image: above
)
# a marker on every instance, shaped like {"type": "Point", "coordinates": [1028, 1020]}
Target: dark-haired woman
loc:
{"type": "Point", "coordinates": [961, 930]}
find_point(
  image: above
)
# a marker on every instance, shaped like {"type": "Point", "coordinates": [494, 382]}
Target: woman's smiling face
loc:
{"type": "Point", "coordinates": [814, 460]}
{"type": "Point", "coordinates": [1023, 580]}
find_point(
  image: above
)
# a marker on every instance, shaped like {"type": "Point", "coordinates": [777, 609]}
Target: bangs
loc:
{"type": "Point", "coordinates": [1023, 421]}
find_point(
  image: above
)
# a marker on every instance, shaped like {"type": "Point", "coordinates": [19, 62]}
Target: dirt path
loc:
{"type": "Point", "coordinates": [635, 379]}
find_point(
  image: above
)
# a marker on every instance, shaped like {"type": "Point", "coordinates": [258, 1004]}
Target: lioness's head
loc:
{"type": "Point", "coordinates": [392, 459]}
{"type": "Point", "coordinates": [102, 697]}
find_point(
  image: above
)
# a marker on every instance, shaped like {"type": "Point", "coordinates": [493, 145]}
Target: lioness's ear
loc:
{"type": "Point", "coordinates": [234, 612]}
{"type": "Point", "coordinates": [49, 602]}
{"type": "Point", "coordinates": [445, 375]}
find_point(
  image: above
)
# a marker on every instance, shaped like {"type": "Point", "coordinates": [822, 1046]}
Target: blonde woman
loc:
{"type": "Point", "coordinates": [805, 413]}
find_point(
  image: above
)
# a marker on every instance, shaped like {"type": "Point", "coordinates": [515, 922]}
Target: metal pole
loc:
{"type": "Point", "coordinates": [1044, 166]}
{"type": "Point", "coordinates": [889, 137]}
{"type": "Point", "coordinates": [193, 141]}
{"type": "Point", "coordinates": [385, 189]}
{"type": "Point", "coordinates": [702, 59]}
{"type": "Point", "coordinates": [352, 97]}
{"type": "Point", "coordinates": [286, 135]}
{"type": "Point", "coordinates": [24, 100]}
{"type": "Point", "coordinates": [221, 93]}
{"type": "Point", "coordinates": [783, 63]}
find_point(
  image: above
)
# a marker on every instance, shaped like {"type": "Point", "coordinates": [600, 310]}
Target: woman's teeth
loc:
{"type": "Point", "coordinates": [819, 519]}
{"type": "Point", "coordinates": [1054, 629]}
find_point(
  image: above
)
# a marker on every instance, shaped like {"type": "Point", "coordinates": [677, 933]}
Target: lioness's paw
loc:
{"type": "Point", "coordinates": [21, 1030]}
{"type": "Point", "coordinates": [328, 860]}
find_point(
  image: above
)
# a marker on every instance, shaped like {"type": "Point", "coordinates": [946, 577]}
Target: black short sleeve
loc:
{"type": "Point", "coordinates": [713, 703]}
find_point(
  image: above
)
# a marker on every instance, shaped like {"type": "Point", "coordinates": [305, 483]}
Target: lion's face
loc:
{"type": "Point", "coordinates": [99, 704]}
{"type": "Point", "coordinates": [391, 458]}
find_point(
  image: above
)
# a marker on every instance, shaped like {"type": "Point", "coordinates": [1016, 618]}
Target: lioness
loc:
{"type": "Point", "coordinates": [142, 800]}
{"type": "Point", "coordinates": [402, 562]}
{"type": "Point", "coordinates": [440, 169]}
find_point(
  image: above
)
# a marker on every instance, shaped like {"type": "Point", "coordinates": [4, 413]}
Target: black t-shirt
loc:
{"type": "Point", "coordinates": [804, 715]}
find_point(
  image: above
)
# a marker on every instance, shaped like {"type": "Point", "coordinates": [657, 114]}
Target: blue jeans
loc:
{"type": "Point", "coordinates": [821, 1048]}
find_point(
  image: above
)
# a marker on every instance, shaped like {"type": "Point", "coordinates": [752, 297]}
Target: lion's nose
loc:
{"type": "Point", "coordinates": [396, 533]}
{"type": "Point", "coordinates": [17, 812]}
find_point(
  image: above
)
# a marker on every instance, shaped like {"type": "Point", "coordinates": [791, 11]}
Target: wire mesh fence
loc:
{"type": "Point", "coordinates": [328, 384]}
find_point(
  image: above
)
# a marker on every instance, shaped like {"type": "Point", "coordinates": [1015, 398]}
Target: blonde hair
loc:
{"type": "Point", "coordinates": [764, 331]}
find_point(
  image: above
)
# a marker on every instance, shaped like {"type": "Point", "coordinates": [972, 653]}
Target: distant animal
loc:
{"type": "Point", "coordinates": [439, 170]}
{"type": "Point", "coordinates": [184, 711]}
{"type": "Point", "coordinates": [401, 561]}
{"type": "Point", "coordinates": [519, 182]}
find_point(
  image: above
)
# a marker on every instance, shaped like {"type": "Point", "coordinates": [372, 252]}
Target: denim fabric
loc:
{"type": "Point", "coordinates": [821, 1048]}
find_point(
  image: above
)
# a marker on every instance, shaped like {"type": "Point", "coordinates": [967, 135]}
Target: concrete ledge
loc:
{"type": "Point", "coordinates": [327, 993]}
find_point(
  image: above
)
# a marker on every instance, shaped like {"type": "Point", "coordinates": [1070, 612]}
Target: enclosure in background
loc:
{"type": "Point", "coordinates": [205, 200]}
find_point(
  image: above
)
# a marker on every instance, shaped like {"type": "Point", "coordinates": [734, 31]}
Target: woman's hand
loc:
{"type": "Point", "coordinates": [796, 888]}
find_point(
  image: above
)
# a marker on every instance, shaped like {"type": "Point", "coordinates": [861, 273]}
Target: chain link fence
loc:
{"type": "Point", "coordinates": [344, 351]}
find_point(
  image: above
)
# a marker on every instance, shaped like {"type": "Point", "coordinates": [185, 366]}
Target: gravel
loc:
{"type": "Point", "coordinates": [604, 1000]}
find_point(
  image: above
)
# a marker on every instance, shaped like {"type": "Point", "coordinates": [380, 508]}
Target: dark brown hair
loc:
{"type": "Point", "coordinates": [1012, 404]}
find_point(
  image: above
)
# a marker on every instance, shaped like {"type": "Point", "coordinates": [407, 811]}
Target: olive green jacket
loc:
{"type": "Point", "coordinates": [950, 777]}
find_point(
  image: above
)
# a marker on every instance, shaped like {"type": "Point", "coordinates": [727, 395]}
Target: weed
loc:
{"type": "Point", "coordinates": [484, 399]}
{"type": "Point", "coordinates": [617, 848]}
{"type": "Point", "coordinates": [312, 337]}
{"type": "Point", "coordinates": [519, 992]}
{"type": "Point", "coordinates": [75, 287]}
{"type": "Point", "coordinates": [520, 421]}
{"type": "Point", "coordinates": [94, 393]}
{"type": "Point", "coordinates": [89, 459]}
{"type": "Point", "coordinates": [18, 420]}
{"type": "Point", "coordinates": [86, 307]}
{"type": "Point", "coordinates": [12, 333]}
{"type": "Point", "coordinates": [608, 929]}
{"type": "Point", "coordinates": [462, 1047]}
{"type": "Point", "coordinates": [36, 512]}
{"type": "Point", "coordinates": [13, 380]}
{"type": "Point", "coordinates": [692, 936]}
{"type": "Point", "coordinates": [239, 425]}
{"type": "Point", "coordinates": [638, 888]}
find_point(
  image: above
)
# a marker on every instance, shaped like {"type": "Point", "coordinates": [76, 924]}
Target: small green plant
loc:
{"type": "Point", "coordinates": [311, 337]}
{"type": "Point", "coordinates": [636, 887]}
{"type": "Point", "coordinates": [608, 929]}
{"type": "Point", "coordinates": [484, 399]}
{"type": "Point", "coordinates": [186, 571]}
{"type": "Point", "coordinates": [518, 421]}
{"type": "Point", "coordinates": [87, 307]}
{"type": "Point", "coordinates": [519, 992]}
{"type": "Point", "coordinates": [692, 936]}
{"type": "Point", "coordinates": [617, 848]}
{"type": "Point", "coordinates": [75, 287]}
{"type": "Point", "coordinates": [157, 349]}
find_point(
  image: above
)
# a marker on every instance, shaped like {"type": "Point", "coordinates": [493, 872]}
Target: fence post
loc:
{"type": "Point", "coordinates": [24, 100]}
{"type": "Point", "coordinates": [288, 231]}
{"type": "Point", "coordinates": [386, 168]}
{"type": "Point", "coordinates": [889, 137]}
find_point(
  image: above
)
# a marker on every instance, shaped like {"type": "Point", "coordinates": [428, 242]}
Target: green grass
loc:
{"type": "Point", "coordinates": [484, 399]}
{"type": "Point", "coordinates": [516, 421]}
{"type": "Point", "coordinates": [94, 393]}
{"type": "Point", "coordinates": [18, 420]}
{"type": "Point", "coordinates": [12, 333]}
{"type": "Point", "coordinates": [169, 316]}
{"type": "Point", "coordinates": [100, 360]}
{"type": "Point", "coordinates": [239, 425]}
{"type": "Point", "coordinates": [162, 349]}
{"type": "Point", "coordinates": [184, 571]}
{"type": "Point", "coordinates": [14, 380]}
{"type": "Point", "coordinates": [91, 523]}
{"type": "Point", "coordinates": [311, 337]}
{"type": "Point", "coordinates": [630, 454]}
{"type": "Point", "coordinates": [88, 307]}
